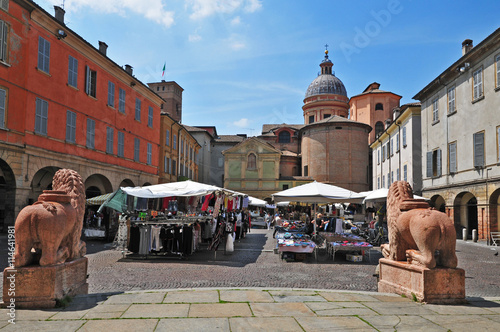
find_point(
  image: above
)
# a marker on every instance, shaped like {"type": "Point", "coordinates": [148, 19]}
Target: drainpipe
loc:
{"type": "Point", "coordinates": [381, 161]}
{"type": "Point", "coordinates": [399, 135]}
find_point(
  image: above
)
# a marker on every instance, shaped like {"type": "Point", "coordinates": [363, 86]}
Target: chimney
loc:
{"type": "Point", "coordinates": [466, 46]}
{"type": "Point", "coordinates": [103, 47]}
{"type": "Point", "coordinates": [59, 14]}
{"type": "Point", "coordinates": [128, 69]}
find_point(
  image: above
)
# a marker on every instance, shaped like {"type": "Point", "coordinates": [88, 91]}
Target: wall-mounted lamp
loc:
{"type": "Point", "coordinates": [61, 34]}
{"type": "Point", "coordinates": [463, 68]}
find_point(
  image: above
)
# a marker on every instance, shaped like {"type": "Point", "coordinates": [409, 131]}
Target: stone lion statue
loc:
{"type": "Point", "coordinates": [417, 233]}
{"type": "Point", "coordinates": [49, 231]}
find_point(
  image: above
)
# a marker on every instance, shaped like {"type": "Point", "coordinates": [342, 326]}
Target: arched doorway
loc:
{"type": "Point", "coordinates": [438, 203]}
{"type": "Point", "coordinates": [494, 211]}
{"type": "Point", "coordinates": [42, 180]}
{"type": "Point", "coordinates": [96, 185]}
{"type": "Point", "coordinates": [127, 183]}
{"type": "Point", "coordinates": [471, 216]}
{"type": "Point", "coordinates": [7, 196]}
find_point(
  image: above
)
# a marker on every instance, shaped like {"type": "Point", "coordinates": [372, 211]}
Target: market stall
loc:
{"type": "Point", "coordinates": [352, 245]}
{"type": "Point", "coordinates": [173, 219]}
{"type": "Point", "coordinates": [313, 193]}
{"type": "Point", "coordinates": [294, 246]}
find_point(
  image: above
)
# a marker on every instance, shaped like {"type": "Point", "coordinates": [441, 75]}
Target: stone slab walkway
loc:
{"type": "Point", "coordinates": [255, 309]}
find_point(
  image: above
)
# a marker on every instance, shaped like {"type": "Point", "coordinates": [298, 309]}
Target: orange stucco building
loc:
{"type": "Point", "coordinates": [65, 104]}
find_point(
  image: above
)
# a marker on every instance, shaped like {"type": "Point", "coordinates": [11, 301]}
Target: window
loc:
{"type": "Point", "coordinates": [392, 146]}
{"type": "Point", "coordinates": [306, 170]}
{"type": "Point", "coordinates": [388, 180]}
{"type": "Point", "coordinates": [174, 167]}
{"type": "Point", "coordinates": [175, 142]}
{"type": "Point", "coordinates": [383, 181]}
{"type": "Point", "coordinates": [383, 153]}
{"type": "Point", "coordinates": [150, 117]}
{"type": "Point", "coordinates": [41, 115]}
{"type": "Point", "coordinates": [121, 100]}
{"type": "Point", "coordinates": [397, 142]}
{"type": "Point", "coordinates": [397, 174]}
{"type": "Point", "coordinates": [477, 78]}
{"type": "Point", "coordinates": [111, 94]}
{"type": "Point", "coordinates": [392, 176]}
{"type": "Point", "coordinates": [378, 156]}
{"type": "Point", "coordinates": [435, 110]}
{"type": "Point", "coordinates": [137, 109]}
{"type": "Point", "coordinates": [109, 140]}
{"type": "Point", "coordinates": [451, 100]}
{"type": "Point", "coordinates": [90, 81]}
{"type": "Point", "coordinates": [434, 163]}
{"type": "Point", "coordinates": [379, 107]}
{"type": "Point", "coordinates": [252, 161]}
{"type": "Point", "coordinates": [284, 137]}
{"type": "Point", "coordinates": [378, 182]}
{"type": "Point", "coordinates": [326, 116]}
{"type": "Point", "coordinates": [149, 153]}
{"type": "Point", "coordinates": [4, 4]}
{"type": "Point", "coordinates": [404, 136]}
{"type": "Point", "coordinates": [379, 128]}
{"type": "Point", "coordinates": [182, 146]}
{"type": "Point", "coordinates": [479, 149]}
{"type": "Point", "coordinates": [3, 105]}
{"type": "Point", "coordinates": [70, 126]}
{"type": "Point", "coordinates": [405, 172]}
{"type": "Point", "coordinates": [285, 187]}
{"type": "Point", "coordinates": [311, 119]}
{"type": "Point", "coordinates": [452, 156]}
{"type": "Point", "coordinates": [121, 144]}
{"type": "Point", "coordinates": [43, 55]}
{"type": "Point", "coordinates": [72, 71]}
{"type": "Point", "coordinates": [4, 29]}
{"type": "Point", "coordinates": [137, 147]}
{"type": "Point", "coordinates": [167, 138]}
{"type": "Point", "coordinates": [497, 66]}
{"type": "Point", "coordinates": [90, 133]}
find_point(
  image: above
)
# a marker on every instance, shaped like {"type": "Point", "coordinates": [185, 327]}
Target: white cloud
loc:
{"type": "Point", "coordinates": [242, 123]}
{"type": "Point", "coordinates": [236, 21]}
{"type": "Point", "coordinates": [253, 5]}
{"type": "Point", "coordinates": [205, 8]}
{"type": "Point", "coordinates": [152, 9]}
{"type": "Point", "coordinates": [194, 38]}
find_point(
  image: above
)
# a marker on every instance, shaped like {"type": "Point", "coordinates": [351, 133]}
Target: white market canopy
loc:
{"type": "Point", "coordinates": [183, 188]}
{"type": "Point", "coordinates": [256, 201]}
{"type": "Point", "coordinates": [317, 192]}
{"type": "Point", "coordinates": [118, 200]}
{"type": "Point", "coordinates": [380, 195]}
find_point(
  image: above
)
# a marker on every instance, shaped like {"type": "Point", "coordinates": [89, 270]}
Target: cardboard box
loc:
{"type": "Point", "coordinates": [354, 258]}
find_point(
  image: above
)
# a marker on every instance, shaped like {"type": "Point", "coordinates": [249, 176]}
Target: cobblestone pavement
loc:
{"type": "Point", "coordinates": [254, 264]}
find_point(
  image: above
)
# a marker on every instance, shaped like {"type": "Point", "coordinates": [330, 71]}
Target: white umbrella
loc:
{"type": "Point", "coordinates": [317, 192]}
{"type": "Point", "coordinates": [380, 195]}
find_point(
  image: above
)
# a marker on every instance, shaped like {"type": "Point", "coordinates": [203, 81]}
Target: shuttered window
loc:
{"type": "Point", "coordinates": [4, 29]}
{"type": "Point", "coordinates": [477, 77]}
{"type": "Point", "coordinates": [90, 81]}
{"type": "Point", "coordinates": [121, 144]}
{"type": "Point", "coordinates": [479, 149]}
{"type": "Point", "coordinates": [404, 136]}
{"type": "Point", "coordinates": [110, 133]}
{"type": "Point", "coordinates": [43, 55]}
{"type": "Point", "coordinates": [137, 149]}
{"type": "Point", "coordinates": [72, 71]}
{"type": "Point", "coordinates": [453, 157]}
{"type": "Point", "coordinates": [70, 126]}
{"type": "Point", "coordinates": [3, 105]}
{"type": "Point", "coordinates": [41, 116]}
{"type": "Point", "coordinates": [90, 133]}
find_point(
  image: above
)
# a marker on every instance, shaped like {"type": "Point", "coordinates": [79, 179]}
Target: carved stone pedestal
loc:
{"type": "Point", "coordinates": [438, 285]}
{"type": "Point", "coordinates": [40, 286]}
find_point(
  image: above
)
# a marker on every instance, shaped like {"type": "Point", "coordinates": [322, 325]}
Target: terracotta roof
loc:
{"type": "Point", "coordinates": [229, 138]}
{"type": "Point", "coordinates": [267, 128]}
{"type": "Point", "coordinates": [288, 153]}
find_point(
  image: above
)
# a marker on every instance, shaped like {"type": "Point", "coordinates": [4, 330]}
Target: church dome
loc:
{"type": "Point", "coordinates": [327, 82]}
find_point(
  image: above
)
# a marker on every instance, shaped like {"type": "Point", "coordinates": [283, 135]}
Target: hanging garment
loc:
{"type": "Point", "coordinates": [245, 202]}
{"type": "Point", "coordinates": [204, 207]}
{"type": "Point", "coordinates": [338, 226]}
{"type": "Point", "coordinates": [230, 243]}
{"type": "Point", "coordinates": [135, 238]}
{"type": "Point", "coordinates": [144, 244]}
{"type": "Point", "coordinates": [155, 238]}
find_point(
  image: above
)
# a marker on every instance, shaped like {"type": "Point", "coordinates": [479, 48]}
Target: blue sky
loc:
{"type": "Point", "coordinates": [245, 63]}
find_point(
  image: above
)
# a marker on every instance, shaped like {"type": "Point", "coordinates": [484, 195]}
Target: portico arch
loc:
{"type": "Point", "coordinates": [7, 195]}
{"type": "Point", "coordinates": [494, 211]}
{"type": "Point", "coordinates": [465, 214]}
{"type": "Point", "coordinates": [438, 202]}
{"type": "Point", "coordinates": [97, 184]}
{"type": "Point", "coordinates": [42, 180]}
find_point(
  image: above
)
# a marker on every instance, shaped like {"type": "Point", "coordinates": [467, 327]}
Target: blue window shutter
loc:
{"type": "Point", "coordinates": [429, 164]}
{"type": "Point", "coordinates": [438, 157]}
